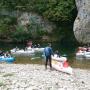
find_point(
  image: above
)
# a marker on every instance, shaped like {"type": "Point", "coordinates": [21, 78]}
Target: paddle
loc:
{"type": "Point", "coordinates": [35, 58]}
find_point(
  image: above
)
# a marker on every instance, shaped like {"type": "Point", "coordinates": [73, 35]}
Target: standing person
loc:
{"type": "Point", "coordinates": [48, 52]}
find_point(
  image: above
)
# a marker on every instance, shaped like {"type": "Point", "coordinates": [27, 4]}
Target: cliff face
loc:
{"type": "Point", "coordinates": [30, 24]}
{"type": "Point", "coordinates": [82, 23]}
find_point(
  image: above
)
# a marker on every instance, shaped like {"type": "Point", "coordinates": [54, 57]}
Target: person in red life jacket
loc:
{"type": "Point", "coordinates": [48, 52]}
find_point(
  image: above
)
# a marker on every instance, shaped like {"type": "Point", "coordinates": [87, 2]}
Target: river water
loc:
{"type": "Point", "coordinates": [66, 49]}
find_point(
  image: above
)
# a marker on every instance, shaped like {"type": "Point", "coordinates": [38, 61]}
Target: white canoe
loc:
{"type": "Point", "coordinates": [61, 58]}
{"type": "Point", "coordinates": [80, 54]}
{"type": "Point", "coordinates": [29, 49]}
{"type": "Point", "coordinates": [83, 54]}
{"type": "Point", "coordinates": [38, 49]}
{"type": "Point", "coordinates": [22, 52]}
{"type": "Point", "coordinates": [35, 49]}
{"type": "Point", "coordinates": [60, 67]}
{"type": "Point", "coordinates": [87, 56]}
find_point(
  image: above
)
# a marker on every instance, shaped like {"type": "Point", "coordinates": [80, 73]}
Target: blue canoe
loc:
{"type": "Point", "coordinates": [7, 59]}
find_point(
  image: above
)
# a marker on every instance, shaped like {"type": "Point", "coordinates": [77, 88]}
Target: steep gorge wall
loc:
{"type": "Point", "coordinates": [82, 23]}
{"type": "Point", "coordinates": [29, 23]}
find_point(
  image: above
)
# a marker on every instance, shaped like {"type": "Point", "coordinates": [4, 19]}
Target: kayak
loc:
{"type": "Point", "coordinates": [7, 59]}
{"type": "Point", "coordinates": [63, 67]}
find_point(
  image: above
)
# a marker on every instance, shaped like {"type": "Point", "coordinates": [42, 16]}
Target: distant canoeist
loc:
{"type": "Point", "coordinates": [29, 43]}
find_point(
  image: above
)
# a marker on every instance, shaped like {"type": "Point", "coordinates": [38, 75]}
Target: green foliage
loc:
{"type": "Point", "coordinates": [54, 10]}
{"type": "Point", "coordinates": [36, 27]}
{"type": "Point", "coordinates": [20, 35]}
{"type": "Point", "coordinates": [58, 11]}
{"type": "Point", "coordinates": [6, 26]}
{"type": "Point", "coordinates": [33, 30]}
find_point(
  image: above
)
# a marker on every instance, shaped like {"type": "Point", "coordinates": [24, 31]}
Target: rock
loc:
{"type": "Point", "coordinates": [29, 88]}
{"type": "Point", "coordinates": [34, 77]}
{"type": "Point", "coordinates": [83, 82]}
{"type": "Point", "coordinates": [82, 23]}
{"type": "Point", "coordinates": [32, 19]}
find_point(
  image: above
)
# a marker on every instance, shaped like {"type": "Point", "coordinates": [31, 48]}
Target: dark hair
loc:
{"type": "Point", "coordinates": [49, 44]}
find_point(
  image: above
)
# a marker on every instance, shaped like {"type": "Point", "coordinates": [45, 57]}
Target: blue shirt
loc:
{"type": "Point", "coordinates": [48, 51]}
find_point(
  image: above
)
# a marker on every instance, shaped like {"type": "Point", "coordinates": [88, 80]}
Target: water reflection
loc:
{"type": "Point", "coordinates": [32, 59]}
{"type": "Point", "coordinates": [28, 60]}
{"type": "Point", "coordinates": [84, 64]}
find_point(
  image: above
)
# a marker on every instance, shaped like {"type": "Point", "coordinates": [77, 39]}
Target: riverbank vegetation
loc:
{"type": "Point", "coordinates": [59, 12]}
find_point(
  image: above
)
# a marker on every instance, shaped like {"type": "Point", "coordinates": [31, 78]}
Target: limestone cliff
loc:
{"type": "Point", "coordinates": [29, 23]}
{"type": "Point", "coordinates": [82, 23]}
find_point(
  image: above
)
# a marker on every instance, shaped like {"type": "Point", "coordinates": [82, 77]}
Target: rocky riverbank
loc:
{"type": "Point", "coordinates": [35, 77]}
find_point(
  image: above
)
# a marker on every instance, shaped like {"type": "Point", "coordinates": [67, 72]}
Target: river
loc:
{"type": "Point", "coordinates": [66, 49]}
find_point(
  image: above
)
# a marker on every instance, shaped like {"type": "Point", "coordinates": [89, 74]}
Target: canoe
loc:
{"type": "Point", "coordinates": [87, 56]}
{"type": "Point", "coordinates": [63, 67]}
{"type": "Point", "coordinates": [38, 49]}
{"type": "Point", "coordinates": [55, 57]}
{"type": "Point", "coordinates": [22, 52]}
{"type": "Point", "coordinates": [83, 54]}
{"type": "Point", "coordinates": [7, 59]}
{"type": "Point", "coordinates": [61, 58]}
{"type": "Point", "coordinates": [60, 64]}
{"type": "Point", "coordinates": [80, 54]}
{"type": "Point", "coordinates": [27, 52]}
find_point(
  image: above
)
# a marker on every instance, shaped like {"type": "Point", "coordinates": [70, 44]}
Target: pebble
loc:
{"type": "Point", "coordinates": [35, 77]}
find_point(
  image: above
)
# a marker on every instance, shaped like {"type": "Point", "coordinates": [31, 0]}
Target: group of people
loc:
{"type": "Point", "coordinates": [30, 44]}
{"type": "Point", "coordinates": [47, 52]}
{"type": "Point", "coordinates": [5, 54]}
{"type": "Point", "coordinates": [83, 49]}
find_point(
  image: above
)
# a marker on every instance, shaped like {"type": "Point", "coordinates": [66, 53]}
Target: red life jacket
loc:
{"type": "Point", "coordinates": [65, 64]}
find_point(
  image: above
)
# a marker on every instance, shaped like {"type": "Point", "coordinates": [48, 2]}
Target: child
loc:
{"type": "Point", "coordinates": [57, 53]}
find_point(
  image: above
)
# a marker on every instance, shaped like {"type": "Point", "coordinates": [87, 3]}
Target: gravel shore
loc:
{"type": "Point", "coordinates": [35, 77]}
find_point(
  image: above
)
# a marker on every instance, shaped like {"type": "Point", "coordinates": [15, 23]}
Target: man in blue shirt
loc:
{"type": "Point", "coordinates": [48, 52]}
